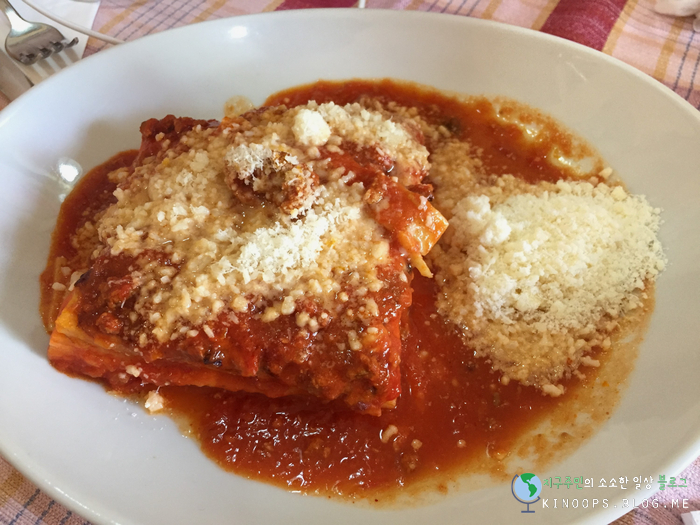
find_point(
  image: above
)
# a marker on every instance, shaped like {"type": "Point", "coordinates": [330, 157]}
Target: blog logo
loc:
{"type": "Point", "coordinates": [526, 488]}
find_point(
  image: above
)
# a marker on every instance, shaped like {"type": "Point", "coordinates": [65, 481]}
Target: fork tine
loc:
{"type": "Point", "coordinates": [28, 58]}
{"type": "Point", "coordinates": [29, 42]}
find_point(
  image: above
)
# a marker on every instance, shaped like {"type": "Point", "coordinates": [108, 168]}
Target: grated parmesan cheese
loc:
{"type": "Point", "coordinates": [310, 129]}
{"type": "Point", "coordinates": [235, 252]}
{"type": "Point", "coordinates": [154, 402]}
{"type": "Point", "coordinates": [537, 275]}
{"type": "Point", "coordinates": [269, 252]}
{"type": "Point", "coordinates": [560, 259]}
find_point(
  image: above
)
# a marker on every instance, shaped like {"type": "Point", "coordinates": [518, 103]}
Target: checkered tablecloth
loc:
{"type": "Point", "coordinates": [664, 47]}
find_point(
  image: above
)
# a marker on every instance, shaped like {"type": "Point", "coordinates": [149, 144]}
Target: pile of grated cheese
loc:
{"type": "Point", "coordinates": [561, 259]}
{"type": "Point", "coordinates": [538, 275]}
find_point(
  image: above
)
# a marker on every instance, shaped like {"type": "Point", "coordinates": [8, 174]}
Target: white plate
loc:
{"type": "Point", "coordinates": [112, 463]}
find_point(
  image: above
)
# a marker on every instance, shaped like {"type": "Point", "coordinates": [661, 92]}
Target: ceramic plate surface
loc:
{"type": "Point", "coordinates": [112, 463]}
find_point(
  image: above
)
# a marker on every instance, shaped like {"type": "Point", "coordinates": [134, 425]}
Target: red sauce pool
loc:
{"type": "Point", "coordinates": [451, 410]}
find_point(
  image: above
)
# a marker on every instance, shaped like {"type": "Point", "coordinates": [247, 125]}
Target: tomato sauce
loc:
{"type": "Point", "coordinates": [489, 127]}
{"type": "Point", "coordinates": [92, 194]}
{"type": "Point", "coordinates": [452, 412]}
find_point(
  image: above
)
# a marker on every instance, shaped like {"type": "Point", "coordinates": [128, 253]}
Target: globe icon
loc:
{"type": "Point", "coordinates": [526, 489]}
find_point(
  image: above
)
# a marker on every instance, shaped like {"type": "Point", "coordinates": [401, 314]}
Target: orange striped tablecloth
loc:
{"type": "Point", "coordinates": [665, 48]}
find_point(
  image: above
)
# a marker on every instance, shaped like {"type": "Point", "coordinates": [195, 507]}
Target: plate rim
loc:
{"type": "Point", "coordinates": [33, 471]}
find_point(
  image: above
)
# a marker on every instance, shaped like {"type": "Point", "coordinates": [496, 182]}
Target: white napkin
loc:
{"type": "Point", "coordinates": [691, 518]}
{"type": "Point", "coordinates": [79, 12]}
{"type": "Point", "coordinates": [680, 8]}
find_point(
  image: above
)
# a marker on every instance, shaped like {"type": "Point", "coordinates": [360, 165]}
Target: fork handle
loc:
{"type": "Point", "coordinates": [16, 21]}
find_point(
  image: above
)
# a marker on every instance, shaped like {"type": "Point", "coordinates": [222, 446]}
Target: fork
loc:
{"type": "Point", "coordinates": [29, 42]}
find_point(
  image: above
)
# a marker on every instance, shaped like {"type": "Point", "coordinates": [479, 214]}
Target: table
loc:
{"type": "Point", "coordinates": [664, 47]}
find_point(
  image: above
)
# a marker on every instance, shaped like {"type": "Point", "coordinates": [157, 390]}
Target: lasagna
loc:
{"type": "Point", "coordinates": [279, 252]}
{"type": "Point", "coordinates": [270, 252]}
